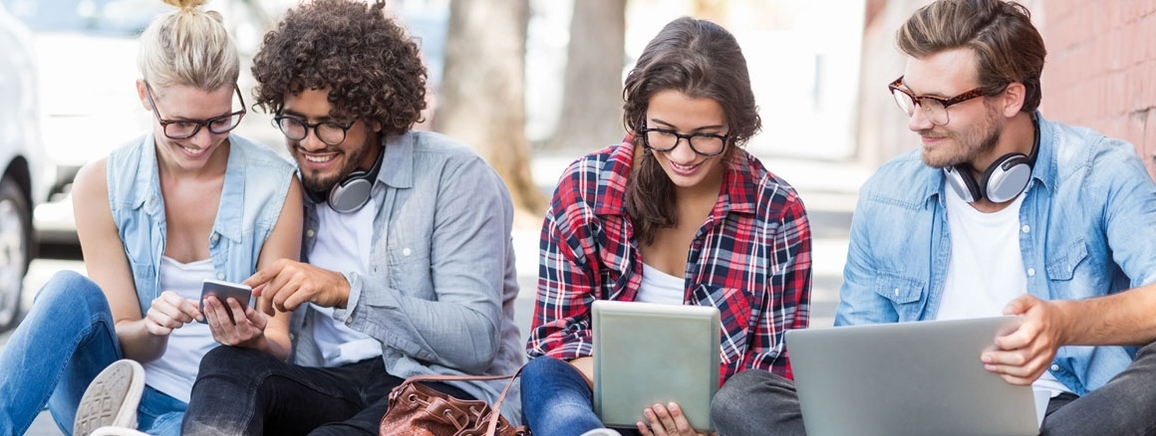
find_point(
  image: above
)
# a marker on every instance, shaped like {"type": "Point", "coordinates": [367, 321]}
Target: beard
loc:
{"type": "Point", "coordinates": [320, 183]}
{"type": "Point", "coordinates": [977, 141]}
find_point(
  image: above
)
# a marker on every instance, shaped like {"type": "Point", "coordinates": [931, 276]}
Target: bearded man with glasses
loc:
{"type": "Point", "coordinates": [407, 237]}
{"type": "Point", "coordinates": [1001, 211]}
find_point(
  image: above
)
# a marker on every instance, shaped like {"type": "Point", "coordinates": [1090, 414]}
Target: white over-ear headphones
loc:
{"type": "Point", "coordinates": [1003, 180]}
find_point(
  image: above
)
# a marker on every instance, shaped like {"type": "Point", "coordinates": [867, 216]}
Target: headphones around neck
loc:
{"type": "Point", "coordinates": [352, 192]}
{"type": "Point", "coordinates": [1003, 180]}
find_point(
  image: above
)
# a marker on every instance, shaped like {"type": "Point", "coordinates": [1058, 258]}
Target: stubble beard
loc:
{"type": "Point", "coordinates": [315, 181]}
{"type": "Point", "coordinates": [979, 140]}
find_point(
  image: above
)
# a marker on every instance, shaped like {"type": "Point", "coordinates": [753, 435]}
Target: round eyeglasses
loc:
{"type": "Point", "coordinates": [934, 108]}
{"type": "Point", "coordinates": [185, 129]}
{"type": "Point", "coordinates": [664, 140]}
{"type": "Point", "coordinates": [329, 132]}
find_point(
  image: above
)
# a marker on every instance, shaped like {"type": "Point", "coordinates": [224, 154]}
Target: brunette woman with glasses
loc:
{"type": "Point", "coordinates": [679, 214]}
{"type": "Point", "coordinates": [186, 202]}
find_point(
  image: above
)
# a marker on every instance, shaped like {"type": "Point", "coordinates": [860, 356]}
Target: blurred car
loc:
{"type": "Point", "coordinates": [23, 177]}
{"type": "Point", "coordinates": [86, 52]}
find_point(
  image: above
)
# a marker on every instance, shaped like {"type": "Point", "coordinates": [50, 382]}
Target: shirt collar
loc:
{"type": "Point", "coordinates": [397, 165]}
{"type": "Point", "coordinates": [227, 222]}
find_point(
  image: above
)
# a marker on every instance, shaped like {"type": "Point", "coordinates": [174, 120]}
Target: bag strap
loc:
{"type": "Point", "coordinates": [491, 429]}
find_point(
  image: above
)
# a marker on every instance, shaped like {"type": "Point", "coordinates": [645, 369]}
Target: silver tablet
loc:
{"type": "Point", "coordinates": [648, 353]}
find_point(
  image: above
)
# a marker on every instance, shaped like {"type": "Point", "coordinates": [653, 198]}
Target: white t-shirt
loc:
{"type": "Point", "coordinates": [342, 245]}
{"type": "Point", "coordinates": [174, 372]}
{"type": "Point", "coordinates": [986, 269]}
{"type": "Point", "coordinates": [660, 287]}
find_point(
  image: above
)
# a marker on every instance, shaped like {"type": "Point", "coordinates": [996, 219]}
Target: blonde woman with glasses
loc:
{"type": "Point", "coordinates": [186, 202]}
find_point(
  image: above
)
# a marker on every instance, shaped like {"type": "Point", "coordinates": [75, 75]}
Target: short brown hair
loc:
{"type": "Point", "coordinates": [1008, 48]}
{"type": "Point", "coordinates": [371, 67]}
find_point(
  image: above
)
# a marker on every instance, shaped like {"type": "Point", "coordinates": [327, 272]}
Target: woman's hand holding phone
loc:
{"type": "Point", "coordinates": [234, 324]}
{"type": "Point", "coordinates": [225, 307]}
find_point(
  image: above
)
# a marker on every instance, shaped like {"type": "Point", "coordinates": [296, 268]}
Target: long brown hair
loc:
{"type": "Point", "coordinates": [701, 60]}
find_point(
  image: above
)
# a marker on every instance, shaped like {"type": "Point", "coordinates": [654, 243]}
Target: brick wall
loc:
{"type": "Point", "coordinates": [1101, 68]}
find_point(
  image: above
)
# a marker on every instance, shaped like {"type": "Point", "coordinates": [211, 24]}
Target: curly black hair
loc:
{"type": "Point", "coordinates": [370, 65]}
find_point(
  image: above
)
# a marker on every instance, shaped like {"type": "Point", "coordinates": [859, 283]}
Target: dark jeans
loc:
{"type": "Point", "coordinates": [1122, 407]}
{"type": "Point", "coordinates": [243, 391]}
{"type": "Point", "coordinates": [756, 402]}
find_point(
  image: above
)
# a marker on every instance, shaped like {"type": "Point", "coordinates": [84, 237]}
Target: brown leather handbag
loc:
{"type": "Point", "coordinates": [418, 410]}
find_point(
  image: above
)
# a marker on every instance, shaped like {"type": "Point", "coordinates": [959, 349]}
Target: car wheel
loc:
{"type": "Point", "coordinates": [15, 247]}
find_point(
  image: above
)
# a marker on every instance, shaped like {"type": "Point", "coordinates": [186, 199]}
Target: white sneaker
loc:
{"type": "Point", "coordinates": [111, 399]}
{"type": "Point", "coordinates": [602, 432]}
{"type": "Point", "coordinates": [117, 431]}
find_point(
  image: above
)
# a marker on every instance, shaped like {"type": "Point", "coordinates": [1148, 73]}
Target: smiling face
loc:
{"type": "Point", "coordinates": [323, 165]}
{"type": "Point", "coordinates": [974, 126]}
{"type": "Point", "coordinates": [182, 102]}
{"type": "Point", "coordinates": [673, 110]}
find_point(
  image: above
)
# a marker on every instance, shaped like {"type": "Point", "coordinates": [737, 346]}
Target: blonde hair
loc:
{"type": "Point", "coordinates": [189, 47]}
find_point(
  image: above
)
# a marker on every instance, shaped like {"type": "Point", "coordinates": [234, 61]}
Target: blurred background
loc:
{"type": "Point", "coordinates": [534, 84]}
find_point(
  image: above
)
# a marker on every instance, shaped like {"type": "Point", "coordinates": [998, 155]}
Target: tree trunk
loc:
{"type": "Point", "coordinates": [591, 114]}
{"type": "Point", "coordinates": [481, 101]}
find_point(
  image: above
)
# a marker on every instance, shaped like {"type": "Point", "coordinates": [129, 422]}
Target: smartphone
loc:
{"type": "Point", "coordinates": [223, 290]}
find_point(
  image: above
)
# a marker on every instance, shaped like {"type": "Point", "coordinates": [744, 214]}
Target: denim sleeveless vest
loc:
{"type": "Point", "coordinates": [256, 182]}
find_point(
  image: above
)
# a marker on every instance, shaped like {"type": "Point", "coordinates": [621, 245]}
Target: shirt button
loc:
{"type": "Point", "coordinates": [349, 320]}
{"type": "Point", "coordinates": [896, 292]}
{"type": "Point", "coordinates": [1055, 367]}
{"type": "Point", "coordinates": [309, 233]}
{"type": "Point", "coordinates": [406, 252]}
{"type": "Point", "coordinates": [1031, 272]}
{"type": "Point", "coordinates": [214, 238]}
{"type": "Point", "coordinates": [220, 276]}
{"type": "Point", "coordinates": [1026, 228]}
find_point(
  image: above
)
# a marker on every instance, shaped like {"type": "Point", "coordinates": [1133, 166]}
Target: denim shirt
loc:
{"type": "Point", "coordinates": [440, 292]}
{"type": "Point", "coordinates": [256, 183]}
{"type": "Point", "coordinates": [1088, 229]}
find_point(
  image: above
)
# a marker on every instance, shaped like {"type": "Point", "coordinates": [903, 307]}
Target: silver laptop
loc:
{"type": "Point", "coordinates": [646, 354]}
{"type": "Point", "coordinates": [919, 378]}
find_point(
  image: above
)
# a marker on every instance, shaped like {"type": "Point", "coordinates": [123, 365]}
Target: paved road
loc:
{"type": "Point", "coordinates": [828, 189]}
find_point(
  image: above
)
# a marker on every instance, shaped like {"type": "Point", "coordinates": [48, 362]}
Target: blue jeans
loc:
{"type": "Point", "coordinates": [240, 391]}
{"type": "Point", "coordinates": [556, 401]}
{"type": "Point", "coordinates": [65, 341]}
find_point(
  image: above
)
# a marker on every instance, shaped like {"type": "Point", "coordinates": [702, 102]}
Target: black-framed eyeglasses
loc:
{"type": "Point", "coordinates": [185, 129]}
{"type": "Point", "coordinates": [934, 108]}
{"type": "Point", "coordinates": [663, 140]}
{"type": "Point", "coordinates": [329, 132]}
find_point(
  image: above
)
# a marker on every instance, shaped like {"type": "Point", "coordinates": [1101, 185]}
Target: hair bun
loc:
{"type": "Point", "coordinates": [186, 4]}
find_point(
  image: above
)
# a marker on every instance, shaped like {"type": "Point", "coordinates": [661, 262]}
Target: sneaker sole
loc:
{"type": "Point", "coordinates": [111, 399]}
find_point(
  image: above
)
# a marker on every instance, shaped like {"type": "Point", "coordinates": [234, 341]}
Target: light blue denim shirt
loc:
{"type": "Point", "coordinates": [441, 286]}
{"type": "Point", "coordinates": [1088, 228]}
{"type": "Point", "coordinates": [256, 183]}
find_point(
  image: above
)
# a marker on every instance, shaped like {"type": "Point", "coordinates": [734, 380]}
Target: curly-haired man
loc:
{"type": "Point", "coordinates": [407, 238]}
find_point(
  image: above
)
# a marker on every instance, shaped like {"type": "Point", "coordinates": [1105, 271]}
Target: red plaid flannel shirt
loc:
{"type": "Point", "coordinates": [751, 259]}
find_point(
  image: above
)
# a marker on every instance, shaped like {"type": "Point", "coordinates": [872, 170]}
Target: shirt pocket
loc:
{"type": "Point", "coordinates": [735, 320]}
{"type": "Point", "coordinates": [904, 293]}
{"type": "Point", "coordinates": [1062, 265]}
{"type": "Point", "coordinates": [409, 271]}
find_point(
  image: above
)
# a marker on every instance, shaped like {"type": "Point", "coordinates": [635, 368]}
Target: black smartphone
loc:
{"type": "Point", "coordinates": [222, 291]}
